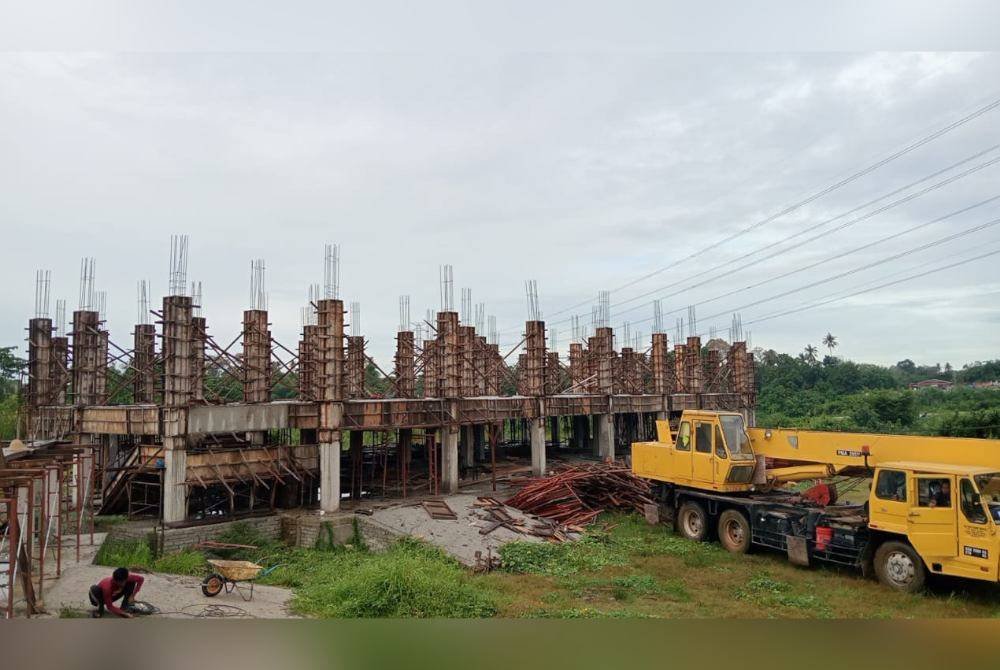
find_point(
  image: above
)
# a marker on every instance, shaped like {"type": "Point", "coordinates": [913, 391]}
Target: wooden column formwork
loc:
{"type": "Point", "coordinates": [86, 362]}
{"type": "Point", "coordinates": [177, 354]}
{"type": "Point", "coordinates": [693, 367]}
{"type": "Point", "coordinates": [534, 358]}
{"type": "Point", "coordinates": [355, 373]}
{"type": "Point", "coordinates": [40, 358]}
{"type": "Point", "coordinates": [256, 356]}
{"type": "Point", "coordinates": [466, 361]}
{"type": "Point", "coordinates": [199, 337]}
{"type": "Point", "coordinates": [406, 375]}
{"type": "Point", "coordinates": [449, 370]}
{"type": "Point", "coordinates": [144, 357]}
{"type": "Point", "coordinates": [101, 382]}
{"type": "Point", "coordinates": [680, 369]}
{"type": "Point", "coordinates": [658, 364]}
{"type": "Point", "coordinates": [60, 369]}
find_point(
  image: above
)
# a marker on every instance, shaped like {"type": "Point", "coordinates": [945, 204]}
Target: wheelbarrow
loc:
{"type": "Point", "coordinates": [229, 575]}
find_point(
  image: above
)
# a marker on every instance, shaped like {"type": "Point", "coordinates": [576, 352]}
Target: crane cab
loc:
{"type": "Point", "coordinates": [710, 451]}
{"type": "Point", "coordinates": [948, 514]}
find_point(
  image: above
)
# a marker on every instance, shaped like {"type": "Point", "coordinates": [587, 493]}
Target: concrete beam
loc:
{"type": "Point", "coordinates": [536, 429]}
{"type": "Point", "coordinates": [237, 418]}
{"type": "Point", "coordinates": [329, 476]}
{"type": "Point", "coordinates": [606, 436]}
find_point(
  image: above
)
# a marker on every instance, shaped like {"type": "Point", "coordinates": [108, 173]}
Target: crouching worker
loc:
{"type": "Point", "coordinates": [120, 585]}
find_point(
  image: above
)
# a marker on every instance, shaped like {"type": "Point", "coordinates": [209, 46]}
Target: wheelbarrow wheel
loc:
{"type": "Point", "coordinates": [212, 585]}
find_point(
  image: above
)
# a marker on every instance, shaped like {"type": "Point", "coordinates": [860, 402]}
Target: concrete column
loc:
{"type": "Point", "coordinates": [606, 436]}
{"type": "Point", "coordinates": [449, 459]}
{"type": "Point", "coordinates": [329, 475]}
{"type": "Point", "coordinates": [554, 430]}
{"type": "Point", "coordinates": [537, 430]}
{"type": "Point", "coordinates": [468, 446]}
{"type": "Point", "coordinates": [174, 491]}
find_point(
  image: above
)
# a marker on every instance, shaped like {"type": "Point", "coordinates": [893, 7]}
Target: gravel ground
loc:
{"type": "Point", "coordinates": [461, 537]}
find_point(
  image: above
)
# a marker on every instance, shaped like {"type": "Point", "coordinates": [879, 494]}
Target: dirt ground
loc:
{"type": "Point", "coordinates": [175, 596]}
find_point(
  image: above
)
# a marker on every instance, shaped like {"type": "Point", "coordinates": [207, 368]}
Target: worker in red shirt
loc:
{"type": "Point", "coordinates": [120, 585]}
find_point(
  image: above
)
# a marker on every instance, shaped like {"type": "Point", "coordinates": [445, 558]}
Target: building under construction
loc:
{"type": "Point", "coordinates": [181, 428]}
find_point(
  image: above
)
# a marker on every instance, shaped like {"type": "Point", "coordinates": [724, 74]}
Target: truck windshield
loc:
{"type": "Point", "coordinates": [736, 437]}
{"type": "Point", "coordinates": [989, 492]}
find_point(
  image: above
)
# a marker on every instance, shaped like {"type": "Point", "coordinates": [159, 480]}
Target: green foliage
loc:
{"type": "Point", "coordinates": [411, 579]}
{"type": "Point", "coordinates": [9, 407]}
{"type": "Point", "coordinates": [138, 555]}
{"type": "Point", "coordinates": [986, 371]}
{"type": "Point", "coordinates": [125, 553]}
{"type": "Point", "coordinates": [844, 396]}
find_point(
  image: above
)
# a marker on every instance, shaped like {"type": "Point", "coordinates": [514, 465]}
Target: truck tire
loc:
{"type": "Point", "coordinates": [734, 531]}
{"type": "Point", "coordinates": [899, 567]}
{"type": "Point", "coordinates": [692, 522]}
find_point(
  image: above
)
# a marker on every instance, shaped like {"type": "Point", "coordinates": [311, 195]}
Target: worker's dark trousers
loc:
{"type": "Point", "coordinates": [97, 596]}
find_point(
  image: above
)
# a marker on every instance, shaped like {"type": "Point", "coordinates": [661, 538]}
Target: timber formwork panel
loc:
{"type": "Point", "coordinates": [256, 357]}
{"type": "Point", "coordinates": [144, 362]}
{"type": "Point", "coordinates": [86, 364]}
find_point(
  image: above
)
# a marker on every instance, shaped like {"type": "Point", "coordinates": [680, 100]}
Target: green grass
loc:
{"type": "Point", "coordinates": [411, 579]}
{"type": "Point", "coordinates": [137, 554]}
{"type": "Point", "coordinates": [764, 590]}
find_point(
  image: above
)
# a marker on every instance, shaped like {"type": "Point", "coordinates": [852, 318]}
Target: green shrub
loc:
{"type": "Point", "coordinates": [409, 580]}
{"type": "Point", "coordinates": [125, 553]}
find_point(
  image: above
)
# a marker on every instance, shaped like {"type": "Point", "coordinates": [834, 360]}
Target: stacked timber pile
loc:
{"type": "Point", "coordinates": [575, 496]}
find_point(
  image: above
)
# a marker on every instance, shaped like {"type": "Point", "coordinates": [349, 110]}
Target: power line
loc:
{"type": "Point", "coordinates": [847, 224]}
{"type": "Point", "coordinates": [815, 196]}
{"type": "Point", "coordinates": [861, 268]}
{"type": "Point", "coordinates": [879, 286]}
{"type": "Point", "coordinates": [842, 254]}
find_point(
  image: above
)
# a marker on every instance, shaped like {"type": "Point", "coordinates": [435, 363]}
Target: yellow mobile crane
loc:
{"type": "Point", "coordinates": [933, 507]}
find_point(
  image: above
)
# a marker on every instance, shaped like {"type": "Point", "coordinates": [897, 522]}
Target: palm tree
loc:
{"type": "Point", "coordinates": [810, 353]}
{"type": "Point", "coordinates": [830, 342]}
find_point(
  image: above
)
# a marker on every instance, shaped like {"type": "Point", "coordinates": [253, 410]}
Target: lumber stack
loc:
{"type": "Point", "coordinates": [576, 495]}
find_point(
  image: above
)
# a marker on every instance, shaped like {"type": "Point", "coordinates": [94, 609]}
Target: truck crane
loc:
{"type": "Point", "coordinates": [933, 506]}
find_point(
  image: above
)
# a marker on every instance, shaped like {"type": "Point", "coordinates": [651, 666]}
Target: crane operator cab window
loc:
{"type": "Point", "coordinates": [684, 437]}
{"type": "Point", "coordinates": [720, 444]}
{"type": "Point", "coordinates": [703, 438]}
{"type": "Point", "coordinates": [891, 485]}
{"type": "Point", "coordinates": [972, 505]}
{"type": "Point", "coordinates": [736, 437]}
{"type": "Point", "coordinates": [933, 492]}
{"type": "Point", "coordinates": [989, 492]}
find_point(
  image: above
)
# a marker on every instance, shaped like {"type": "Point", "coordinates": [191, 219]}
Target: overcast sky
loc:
{"type": "Point", "coordinates": [584, 172]}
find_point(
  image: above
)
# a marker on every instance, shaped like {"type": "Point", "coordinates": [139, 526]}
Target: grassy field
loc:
{"type": "Point", "coordinates": [621, 569]}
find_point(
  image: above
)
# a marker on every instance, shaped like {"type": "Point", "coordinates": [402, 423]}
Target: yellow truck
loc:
{"type": "Point", "coordinates": [933, 505]}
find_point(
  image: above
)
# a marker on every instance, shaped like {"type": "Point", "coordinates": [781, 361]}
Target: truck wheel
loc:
{"type": "Point", "coordinates": [692, 521]}
{"type": "Point", "coordinates": [734, 531]}
{"type": "Point", "coordinates": [899, 567]}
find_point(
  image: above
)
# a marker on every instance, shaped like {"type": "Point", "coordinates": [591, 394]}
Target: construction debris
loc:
{"type": "Point", "coordinates": [574, 497]}
{"type": "Point", "coordinates": [496, 515]}
{"type": "Point", "coordinates": [438, 509]}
